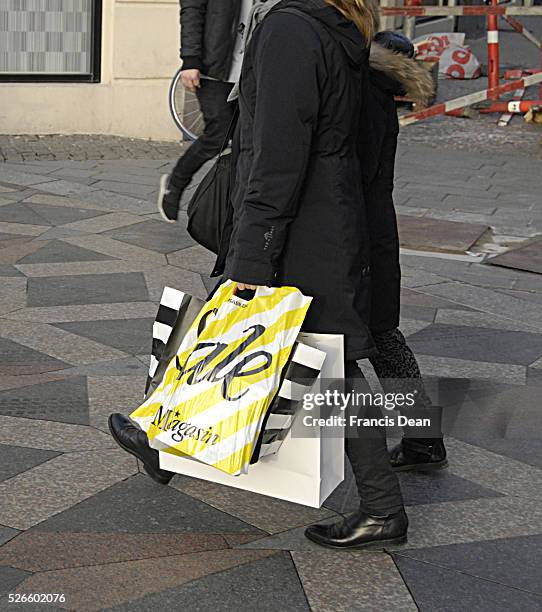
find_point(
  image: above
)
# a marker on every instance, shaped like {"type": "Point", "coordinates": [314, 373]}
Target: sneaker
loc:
{"type": "Point", "coordinates": [169, 200]}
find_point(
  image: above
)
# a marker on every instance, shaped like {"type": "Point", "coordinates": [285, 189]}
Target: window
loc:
{"type": "Point", "coordinates": [51, 40]}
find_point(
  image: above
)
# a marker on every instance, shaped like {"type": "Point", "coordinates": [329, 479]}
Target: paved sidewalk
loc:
{"type": "Point", "coordinates": [29, 147]}
{"type": "Point", "coordinates": [84, 258]}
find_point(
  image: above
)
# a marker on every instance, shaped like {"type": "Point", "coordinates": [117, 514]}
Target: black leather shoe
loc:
{"type": "Point", "coordinates": [361, 530]}
{"type": "Point", "coordinates": [134, 441]}
{"type": "Point", "coordinates": [418, 455]}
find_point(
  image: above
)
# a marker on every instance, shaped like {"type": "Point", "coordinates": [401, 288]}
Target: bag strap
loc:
{"type": "Point", "coordinates": [231, 129]}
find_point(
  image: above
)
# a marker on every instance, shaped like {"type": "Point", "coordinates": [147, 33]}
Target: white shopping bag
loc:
{"type": "Point", "coordinates": [307, 468]}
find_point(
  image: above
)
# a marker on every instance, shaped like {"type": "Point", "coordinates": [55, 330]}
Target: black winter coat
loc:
{"type": "Point", "coordinates": [378, 160]}
{"type": "Point", "coordinates": [299, 209]}
{"type": "Point", "coordinates": [208, 34]}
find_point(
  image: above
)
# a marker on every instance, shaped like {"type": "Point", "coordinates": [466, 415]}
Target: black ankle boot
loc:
{"type": "Point", "coordinates": [361, 530]}
{"type": "Point", "coordinates": [134, 441]}
{"type": "Point", "coordinates": [418, 455]}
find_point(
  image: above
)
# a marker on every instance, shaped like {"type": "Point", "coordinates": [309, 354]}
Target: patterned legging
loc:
{"type": "Point", "coordinates": [398, 371]}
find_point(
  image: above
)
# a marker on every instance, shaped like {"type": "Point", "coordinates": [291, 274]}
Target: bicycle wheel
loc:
{"type": "Point", "coordinates": [185, 110]}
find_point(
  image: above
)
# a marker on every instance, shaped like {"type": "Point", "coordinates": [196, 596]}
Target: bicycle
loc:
{"type": "Point", "coordinates": [185, 110]}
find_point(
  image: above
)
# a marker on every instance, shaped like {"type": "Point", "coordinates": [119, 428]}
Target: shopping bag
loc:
{"type": "Point", "coordinates": [177, 311]}
{"type": "Point", "coordinates": [215, 393]}
{"type": "Point", "coordinates": [310, 464]}
{"type": "Point", "coordinates": [300, 377]}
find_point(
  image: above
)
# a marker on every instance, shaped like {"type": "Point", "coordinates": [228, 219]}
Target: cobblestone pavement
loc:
{"type": "Point", "coordinates": [26, 147]}
{"type": "Point", "coordinates": [84, 258]}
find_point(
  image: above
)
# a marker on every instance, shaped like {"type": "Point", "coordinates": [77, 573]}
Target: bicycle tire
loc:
{"type": "Point", "coordinates": [184, 109]}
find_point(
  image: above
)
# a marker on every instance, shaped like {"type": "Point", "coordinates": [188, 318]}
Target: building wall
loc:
{"type": "Point", "coordinates": [140, 54]}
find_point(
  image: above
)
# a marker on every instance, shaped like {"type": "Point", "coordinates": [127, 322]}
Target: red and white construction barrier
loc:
{"type": "Point", "coordinates": [505, 119]}
{"type": "Point", "coordinates": [470, 99]}
{"type": "Point", "coordinates": [519, 27]}
{"type": "Point", "coordinates": [495, 90]}
{"type": "Point", "coordinates": [459, 11]}
{"type": "Point", "coordinates": [513, 106]}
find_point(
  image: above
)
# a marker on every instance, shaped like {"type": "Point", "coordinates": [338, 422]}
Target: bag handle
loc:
{"type": "Point", "coordinates": [260, 291]}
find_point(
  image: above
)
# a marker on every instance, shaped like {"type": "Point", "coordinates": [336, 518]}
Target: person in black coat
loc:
{"type": "Point", "coordinates": [313, 208]}
{"type": "Point", "coordinates": [211, 51]}
{"type": "Point", "coordinates": [304, 168]}
{"type": "Point", "coordinates": [394, 363]}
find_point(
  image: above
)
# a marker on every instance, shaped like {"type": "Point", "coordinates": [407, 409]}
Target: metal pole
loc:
{"type": "Point", "coordinates": [493, 52]}
{"type": "Point", "coordinates": [409, 23]}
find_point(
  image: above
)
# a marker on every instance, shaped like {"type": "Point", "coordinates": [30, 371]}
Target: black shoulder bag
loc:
{"type": "Point", "coordinates": [210, 209]}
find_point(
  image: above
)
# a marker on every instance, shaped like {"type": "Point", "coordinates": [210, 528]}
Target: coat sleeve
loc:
{"type": "Point", "coordinates": [193, 14]}
{"type": "Point", "coordinates": [287, 60]}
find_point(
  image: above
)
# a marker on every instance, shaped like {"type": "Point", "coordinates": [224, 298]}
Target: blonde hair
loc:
{"type": "Point", "coordinates": [363, 13]}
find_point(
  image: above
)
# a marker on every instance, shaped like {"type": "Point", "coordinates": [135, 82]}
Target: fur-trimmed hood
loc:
{"type": "Point", "coordinates": [392, 72]}
{"type": "Point", "coordinates": [400, 75]}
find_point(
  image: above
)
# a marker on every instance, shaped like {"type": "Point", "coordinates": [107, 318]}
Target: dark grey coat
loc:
{"type": "Point", "coordinates": [208, 33]}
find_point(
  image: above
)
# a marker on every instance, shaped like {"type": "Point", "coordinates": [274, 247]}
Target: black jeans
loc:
{"type": "Point", "coordinates": [217, 116]}
{"type": "Point", "coordinates": [366, 449]}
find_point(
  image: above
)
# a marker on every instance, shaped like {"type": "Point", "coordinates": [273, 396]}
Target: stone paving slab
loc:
{"type": "Point", "coordinates": [109, 246]}
{"type": "Point", "coordinates": [362, 581]}
{"type": "Point", "coordinates": [154, 235]}
{"type": "Point", "coordinates": [104, 222]}
{"type": "Point", "coordinates": [58, 343]}
{"type": "Point", "coordinates": [57, 251]}
{"type": "Point", "coordinates": [84, 312]}
{"type": "Point", "coordinates": [60, 215]}
{"type": "Point", "coordinates": [114, 393]}
{"type": "Point", "coordinates": [18, 358]}
{"type": "Point", "coordinates": [171, 276]}
{"type": "Point", "coordinates": [508, 347]}
{"type": "Point", "coordinates": [17, 459]}
{"type": "Point", "coordinates": [25, 229]}
{"type": "Point", "coordinates": [501, 474]}
{"type": "Point", "coordinates": [76, 268]}
{"type": "Point", "coordinates": [417, 489]}
{"type": "Point", "coordinates": [466, 368]}
{"type": "Point", "coordinates": [528, 258]}
{"type": "Point", "coordinates": [268, 514]}
{"type": "Point", "coordinates": [50, 435]}
{"type": "Point", "coordinates": [37, 551]}
{"type": "Point", "coordinates": [64, 400]}
{"type": "Point", "coordinates": [87, 289]}
{"type": "Point", "coordinates": [491, 560]}
{"type": "Point", "coordinates": [426, 234]}
{"type": "Point", "coordinates": [139, 505]}
{"type": "Point", "coordinates": [10, 578]}
{"type": "Point", "coordinates": [6, 534]}
{"type": "Point", "coordinates": [49, 488]}
{"type": "Point", "coordinates": [8, 270]}
{"type": "Point", "coordinates": [458, 589]}
{"type": "Point", "coordinates": [491, 301]}
{"type": "Point", "coordinates": [477, 319]}
{"type": "Point", "coordinates": [125, 581]}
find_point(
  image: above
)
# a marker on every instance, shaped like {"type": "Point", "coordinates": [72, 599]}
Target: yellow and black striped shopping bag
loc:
{"type": "Point", "coordinates": [212, 400]}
